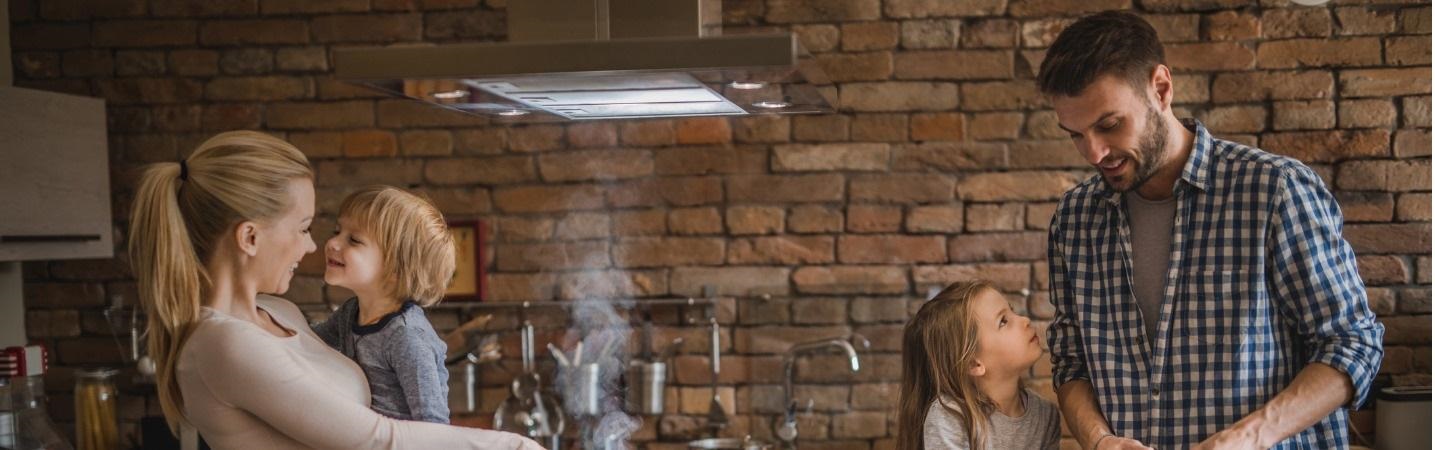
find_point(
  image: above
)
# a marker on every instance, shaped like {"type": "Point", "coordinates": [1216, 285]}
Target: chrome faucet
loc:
{"type": "Point", "coordinates": [786, 428]}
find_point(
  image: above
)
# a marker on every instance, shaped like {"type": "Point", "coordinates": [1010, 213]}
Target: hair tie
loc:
{"type": "Point", "coordinates": [183, 171]}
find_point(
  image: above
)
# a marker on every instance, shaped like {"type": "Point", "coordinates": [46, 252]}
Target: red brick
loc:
{"type": "Point", "coordinates": [48, 36]}
{"type": "Point", "coordinates": [995, 126]}
{"type": "Point", "coordinates": [818, 37]}
{"type": "Point", "coordinates": [582, 226]}
{"type": "Point", "coordinates": [1407, 51]}
{"type": "Point", "coordinates": [322, 144]}
{"type": "Point", "coordinates": [483, 171]}
{"type": "Point", "coordinates": [552, 256]}
{"type": "Point", "coordinates": [1042, 32]}
{"type": "Point", "coordinates": [879, 127]}
{"type": "Point", "coordinates": [1257, 86]}
{"type": "Point", "coordinates": [75, 63]}
{"type": "Point", "coordinates": [731, 281]}
{"type": "Point", "coordinates": [48, 295]}
{"type": "Point", "coordinates": [943, 8]}
{"type": "Point", "coordinates": [994, 217]}
{"type": "Point", "coordinates": [1412, 143]}
{"type": "Point", "coordinates": [1210, 56]}
{"type": "Point", "coordinates": [954, 65]}
{"type": "Point", "coordinates": [1189, 5]}
{"type": "Point", "coordinates": [819, 311]}
{"type": "Point", "coordinates": [251, 32]}
{"type": "Point", "coordinates": [1328, 146]}
{"type": "Point", "coordinates": [1008, 277]}
{"type": "Point", "coordinates": [891, 249]}
{"type": "Point", "coordinates": [850, 280]}
{"type": "Point", "coordinates": [459, 200]}
{"type": "Point", "coordinates": [370, 143]}
{"type": "Point", "coordinates": [184, 8]}
{"type": "Point", "coordinates": [903, 188]}
{"type": "Point", "coordinates": [1039, 8]}
{"type": "Point", "coordinates": [938, 127]}
{"type": "Point", "coordinates": [668, 252]}
{"type": "Point", "coordinates": [762, 129]}
{"type": "Point", "coordinates": [481, 141]}
{"type": "Point", "coordinates": [1364, 20]}
{"type": "Point", "coordinates": [1296, 22]}
{"type": "Point", "coordinates": [50, 324]}
{"type": "Point", "coordinates": [998, 247]}
{"type": "Point", "coordinates": [935, 219]}
{"type": "Point", "coordinates": [1015, 186]}
{"type": "Point", "coordinates": [231, 116]}
{"type": "Point", "coordinates": [1371, 239]}
{"type": "Point", "coordinates": [1376, 113]}
{"type": "Point", "coordinates": [1002, 95]}
{"type": "Point", "coordinates": [612, 284]}
{"type": "Point", "coordinates": [1414, 21]}
{"type": "Point", "coordinates": [535, 138]}
{"type": "Point", "coordinates": [320, 115]}
{"type": "Point", "coordinates": [302, 59]}
{"type": "Point", "coordinates": [1231, 26]}
{"type": "Point", "coordinates": [175, 118]}
{"type": "Point", "coordinates": [70, 10]}
{"type": "Point", "coordinates": [592, 134]}
{"type": "Point", "coordinates": [803, 11]}
{"type": "Point", "coordinates": [1406, 329]}
{"type": "Point", "coordinates": [821, 128]}
{"type": "Point", "coordinates": [258, 88]}
{"type": "Point", "coordinates": [710, 160]}
{"type": "Point", "coordinates": [782, 250]}
{"type": "Point", "coordinates": [1295, 53]}
{"type": "Point", "coordinates": [695, 221]}
{"type": "Point", "coordinates": [1385, 82]}
{"type": "Point", "coordinates": [898, 96]}
{"type": "Point", "coordinates": [312, 6]}
{"type": "Point", "coordinates": [372, 171]}
{"type": "Point", "coordinates": [745, 220]}
{"type": "Point", "coordinates": [1304, 115]}
{"type": "Point", "coordinates": [680, 191]}
{"type": "Point", "coordinates": [991, 33]}
{"type": "Point", "coordinates": [873, 218]}
{"type": "Point", "coordinates": [639, 223]}
{"type": "Point", "coordinates": [371, 28]}
{"type": "Point", "coordinates": [1366, 206]}
{"type": "Point", "coordinates": [703, 130]}
{"type": "Point", "coordinates": [148, 90]}
{"type": "Point", "coordinates": [859, 425]}
{"type": "Point", "coordinates": [471, 24]}
{"type": "Point", "coordinates": [1046, 154]}
{"type": "Point", "coordinates": [1413, 207]}
{"type": "Point", "coordinates": [595, 165]}
{"type": "Point", "coordinates": [548, 198]}
{"type": "Point", "coordinates": [1377, 270]}
{"type": "Point", "coordinates": [931, 34]}
{"type": "Point", "coordinates": [145, 33]}
{"type": "Point", "coordinates": [1235, 119]}
{"type": "Point", "coordinates": [864, 36]}
{"type": "Point", "coordinates": [950, 156]}
{"type": "Point", "coordinates": [426, 143]}
{"type": "Point", "coordinates": [785, 188]}
{"type": "Point", "coordinates": [814, 219]}
{"type": "Point", "coordinates": [831, 157]}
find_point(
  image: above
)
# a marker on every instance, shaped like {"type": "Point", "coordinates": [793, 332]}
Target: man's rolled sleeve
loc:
{"type": "Point", "coordinates": [1063, 337]}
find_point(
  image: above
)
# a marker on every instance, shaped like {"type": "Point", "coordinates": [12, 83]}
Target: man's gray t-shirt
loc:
{"type": "Point", "coordinates": [401, 356]}
{"type": "Point", "coordinates": [1151, 232]}
{"type": "Point", "coordinates": [1039, 428]}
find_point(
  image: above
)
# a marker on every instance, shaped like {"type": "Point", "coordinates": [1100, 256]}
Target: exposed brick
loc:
{"type": "Point", "coordinates": [1364, 20]}
{"type": "Point", "coordinates": [302, 59]}
{"type": "Point", "coordinates": [1367, 114]}
{"type": "Point", "coordinates": [483, 171]}
{"type": "Point", "coordinates": [747, 220]}
{"type": "Point", "coordinates": [595, 165]}
{"type": "Point", "coordinates": [1412, 143]}
{"type": "Point", "coordinates": [680, 191]}
{"type": "Point", "coordinates": [1406, 329]}
{"type": "Point", "coordinates": [370, 143]}
{"type": "Point", "coordinates": [1236, 119]}
{"type": "Point", "coordinates": [148, 90]}
{"type": "Point", "coordinates": [134, 62]}
{"type": "Point", "coordinates": [859, 425]}
{"type": "Point", "coordinates": [781, 250]}
{"type": "Point", "coordinates": [991, 33]}
{"type": "Point", "coordinates": [1042, 32]}
{"type": "Point", "coordinates": [372, 28]}
{"type": "Point", "coordinates": [49, 36]}
{"type": "Point", "coordinates": [1256, 86]}
{"type": "Point", "coordinates": [943, 8]}
{"type": "Point", "coordinates": [48, 295]}
{"type": "Point", "coordinates": [647, 132]}
{"type": "Point", "coordinates": [818, 37]}
{"type": "Point", "coordinates": [248, 61]}
{"type": "Point", "coordinates": [552, 256]}
{"type": "Point", "coordinates": [1295, 53]}
{"type": "Point", "coordinates": [1039, 8]}
{"type": "Point", "coordinates": [1415, 301]}
{"type": "Point", "coordinates": [695, 221]}
{"type": "Point", "coordinates": [703, 130]}
{"type": "Point", "coordinates": [953, 64]}
{"type": "Point", "coordinates": [762, 129]}
{"type": "Point", "coordinates": [668, 252]}
{"type": "Point", "coordinates": [44, 65]}
{"type": "Point", "coordinates": [1304, 115]}
{"type": "Point", "coordinates": [1001, 95]}
{"type": "Point", "coordinates": [76, 63]}
{"type": "Point", "coordinates": [639, 223]}
{"type": "Point", "coordinates": [1231, 26]}
{"type": "Point", "coordinates": [873, 218]}
{"type": "Point", "coordinates": [251, 32]}
{"type": "Point", "coordinates": [850, 280]}
{"type": "Point", "coordinates": [1191, 5]}
{"type": "Point", "coordinates": [899, 96]}
{"type": "Point", "coordinates": [471, 24]}
{"type": "Point", "coordinates": [184, 8]}
{"type": "Point", "coordinates": [145, 33]}
{"type": "Point", "coordinates": [731, 281]}
{"type": "Point", "coordinates": [373, 171]}
{"type": "Point", "coordinates": [311, 6]}
{"type": "Point", "coordinates": [786, 188]}
{"type": "Point", "coordinates": [426, 143]}
{"type": "Point", "coordinates": [821, 128]}
{"type": "Point", "coordinates": [1009, 277]}
{"type": "Point", "coordinates": [803, 11]}
{"type": "Point", "coordinates": [1296, 22]}
{"type": "Point", "coordinates": [891, 249]}
{"type": "Point", "coordinates": [1407, 51]}
{"type": "Point", "coordinates": [879, 127]}
{"type": "Point", "coordinates": [863, 36]}
{"type": "Point", "coordinates": [52, 323]}
{"type": "Point", "coordinates": [935, 219]}
{"type": "Point", "coordinates": [1385, 82]}
{"type": "Point", "coordinates": [1413, 207]}
{"type": "Point", "coordinates": [814, 219]}
{"type": "Point", "coordinates": [994, 217]}
{"type": "Point", "coordinates": [605, 284]}
{"type": "Point", "coordinates": [535, 138]}
{"type": "Point", "coordinates": [1046, 154]}
{"type": "Point", "coordinates": [1414, 20]}
{"type": "Point", "coordinates": [1328, 146]}
{"type": "Point", "coordinates": [1377, 270]}
{"type": "Point", "coordinates": [998, 247]}
{"type": "Point", "coordinates": [459, 200]}
{"type": "Point", "coordinates": [548, 198]}
{"type": "Point", "coordinates": [258, 88]}
{"type": "Point", "coordinates": [902, 188]}
{"type": "Point", "coordinates": [231, 116]}
{"type": "Point", "coordinates": [937, 33]}
{"type": "Point", "coordinates": [950, 156]}
{"type": "Point", "coordinates": [1366, 206]}
{"type": "Point", "coordinates": [1370, 239]}
{"type": "Point", "coordinates": [1210, 56]}
{"type": "Point", "coordinates": [1015, 186]}
{"type": "Point", "coordinates": [320, 115]}
{"type": "Point", "coordinates": [995, 126]}
{"type": "Point", "coordinates": [938, 127]}
{"type": "Point", "coordinates": [323, 144]}
{"type": "Point", "coordinates": [582, 226]}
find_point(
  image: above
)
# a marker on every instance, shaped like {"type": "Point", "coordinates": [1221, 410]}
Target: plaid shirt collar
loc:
{"type": "Point", "coordinates": [1197, 172]}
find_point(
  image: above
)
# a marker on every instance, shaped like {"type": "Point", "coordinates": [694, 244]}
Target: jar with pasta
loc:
{"type": "Point", "coordinates": [96, 404]}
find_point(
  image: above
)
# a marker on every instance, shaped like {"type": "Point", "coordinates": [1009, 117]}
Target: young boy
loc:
{"type": "Point", "coordinates": [393, 250]}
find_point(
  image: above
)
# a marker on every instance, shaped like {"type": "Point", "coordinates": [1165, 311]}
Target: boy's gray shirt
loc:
{"type": "Point", "coordinates": [402, 357]}
{"type": "Point", "coordinates": [1039, 428]}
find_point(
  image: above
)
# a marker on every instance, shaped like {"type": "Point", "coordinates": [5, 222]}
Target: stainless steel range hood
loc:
{"type": "Point", "coordinates": [602, 59]}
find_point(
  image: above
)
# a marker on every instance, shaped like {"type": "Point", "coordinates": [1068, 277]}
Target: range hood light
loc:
{"type": "Point", "coordinates": [449, 95]}
{"type": "Point", "coordinates": [746, 85]}
{"type": "Point", "coordinates": [513, 113]}
{"type": "Point", "coordinates": [771, 105]}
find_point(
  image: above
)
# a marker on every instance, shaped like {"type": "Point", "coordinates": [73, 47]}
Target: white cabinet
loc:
{"type": "Point", "coordinates": [54, 177]}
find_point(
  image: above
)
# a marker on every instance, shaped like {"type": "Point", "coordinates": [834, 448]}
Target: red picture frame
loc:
{"type": "Point", "coordinates": [470, 275]}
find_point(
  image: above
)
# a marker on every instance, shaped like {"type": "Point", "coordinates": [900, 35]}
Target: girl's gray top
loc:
{"type": "Point", "coordinates": [1039, 428]}
{"type": "Point", "coordinates": [401, 356]}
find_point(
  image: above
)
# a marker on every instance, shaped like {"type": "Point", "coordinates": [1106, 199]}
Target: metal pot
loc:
{"type": "Point", "coordinates": [646, 381]}
{"type": "Point", "coordinates": [747, 443]}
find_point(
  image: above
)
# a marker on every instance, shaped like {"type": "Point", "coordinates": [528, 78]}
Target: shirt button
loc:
{"type": "Point", "coordinates": [1156, 392]}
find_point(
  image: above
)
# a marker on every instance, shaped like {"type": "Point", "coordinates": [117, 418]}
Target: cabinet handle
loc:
{"type": "Point", "coordinates": [41, 238]}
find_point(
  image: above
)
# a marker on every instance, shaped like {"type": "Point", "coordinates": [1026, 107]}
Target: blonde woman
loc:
{"type": "Point", "coordinates": [210, 236]}
{"type": "Point", "coordinates": [963, 355]}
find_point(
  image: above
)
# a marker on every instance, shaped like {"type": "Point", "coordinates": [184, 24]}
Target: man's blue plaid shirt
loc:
{"type": "Point", "coordinates": [1260, 284]}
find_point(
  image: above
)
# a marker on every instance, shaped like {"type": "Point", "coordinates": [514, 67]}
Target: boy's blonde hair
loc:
{"type": "Point", "coordinates": [411, 234]}
{"type": "Point", "coordinates": [939, 345]}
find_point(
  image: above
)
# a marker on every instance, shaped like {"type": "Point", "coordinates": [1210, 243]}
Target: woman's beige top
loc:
{"type": "Point", "coordinates": [246, 388]}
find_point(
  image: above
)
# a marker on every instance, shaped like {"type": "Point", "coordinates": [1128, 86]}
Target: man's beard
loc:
{"type": "Point", "coordinates": [1152, 149]}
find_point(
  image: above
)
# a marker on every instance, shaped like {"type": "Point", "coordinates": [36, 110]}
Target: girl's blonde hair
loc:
{"type": "Point", "coordinates": [418, 252]}
{"type": "Point", "coordinates": [939, 345]}
{"type": "Point", "coordinates": [181, 211]}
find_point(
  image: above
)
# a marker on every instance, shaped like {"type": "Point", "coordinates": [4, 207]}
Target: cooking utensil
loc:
{"type": "Point", "coordinates": [746, 443]}
{"type": "Point", "coordinates": [717, 418]}
{"type": "Point", "coordinates": [527, 410]}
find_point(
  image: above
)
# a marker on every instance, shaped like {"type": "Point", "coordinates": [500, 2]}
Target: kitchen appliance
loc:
{"type": "Point", "coordinates": [1402, 418]}
{"type": "Point", "coordinates": [603, 59]}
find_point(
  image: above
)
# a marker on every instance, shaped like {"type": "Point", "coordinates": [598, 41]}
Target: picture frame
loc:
{"type": "Point", "coordinates": [468, 283]}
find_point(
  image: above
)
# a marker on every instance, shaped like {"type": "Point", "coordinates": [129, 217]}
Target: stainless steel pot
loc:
{"type": "Point", "coordinates": [747, 443]}
{"type": "Point", "coordinates": [646, 381]}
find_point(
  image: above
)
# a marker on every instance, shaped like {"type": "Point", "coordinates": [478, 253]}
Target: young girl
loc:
{"type": "Point", "coordinates": [963, 356]}
{"type": "Point", "coordinates": [392, 248]}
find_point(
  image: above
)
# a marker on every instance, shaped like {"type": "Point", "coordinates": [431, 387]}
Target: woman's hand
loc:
{"type": "Point", "coordinates": [524, 443]}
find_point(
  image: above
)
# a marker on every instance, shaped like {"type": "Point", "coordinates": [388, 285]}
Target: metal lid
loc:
{"type": "Point", "coordinates": [1404, 394]}
{"type": "Point", "coordinates": [96, 373]}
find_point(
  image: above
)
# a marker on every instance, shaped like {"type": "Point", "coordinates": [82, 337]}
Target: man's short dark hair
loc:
{"type": "Point", "coordinates": [1109, 43]}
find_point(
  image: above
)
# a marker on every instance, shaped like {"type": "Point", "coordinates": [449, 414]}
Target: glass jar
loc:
{"type": "Point", "coordinates": [96, 404]}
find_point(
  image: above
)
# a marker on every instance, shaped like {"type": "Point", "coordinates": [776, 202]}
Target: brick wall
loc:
{"type": "Point", "coordinates": [944, 165]}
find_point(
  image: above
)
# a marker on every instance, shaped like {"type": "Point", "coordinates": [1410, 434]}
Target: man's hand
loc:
{"type": "Point", "coordinates": [1229, 440]}
{"type": "Point", "coordinates": [1120, 443]}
